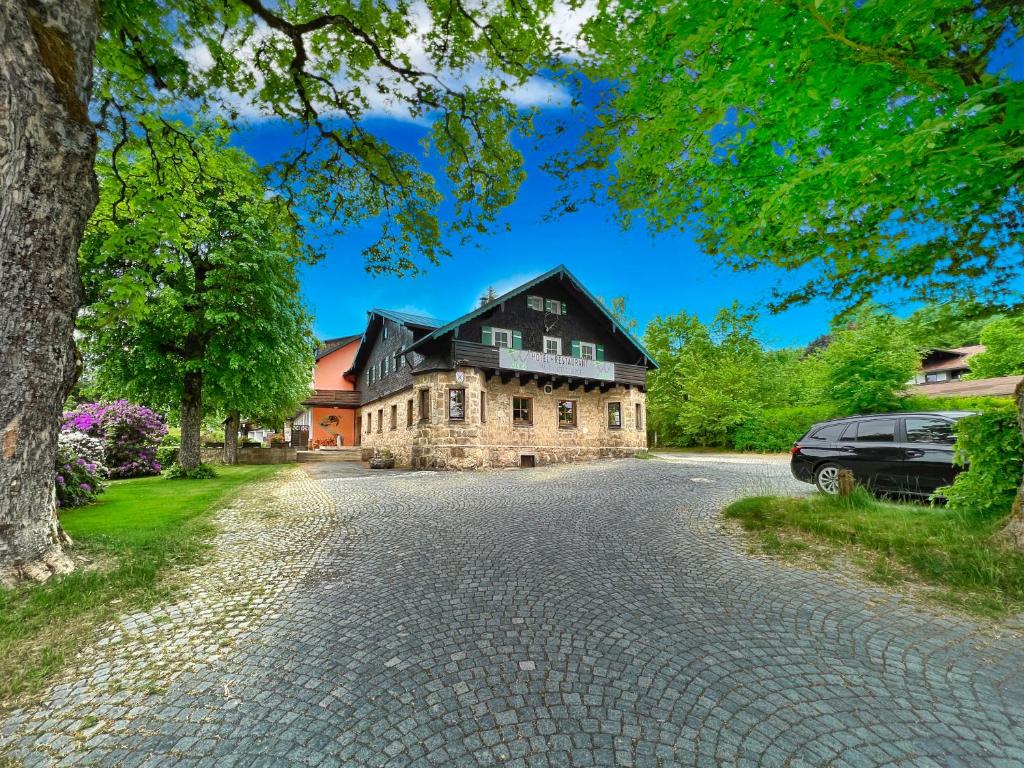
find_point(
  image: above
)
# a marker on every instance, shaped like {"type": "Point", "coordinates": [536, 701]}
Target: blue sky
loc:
{"type": "Point", "coordinates": [658, 274]}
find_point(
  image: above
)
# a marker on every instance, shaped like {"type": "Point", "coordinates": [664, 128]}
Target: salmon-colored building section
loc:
{"type": "Point", "coordinates": [331, 409]}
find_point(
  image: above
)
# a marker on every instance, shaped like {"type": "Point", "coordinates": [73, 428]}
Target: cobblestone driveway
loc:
{"type": "Point", "coordinates": [573, 616]}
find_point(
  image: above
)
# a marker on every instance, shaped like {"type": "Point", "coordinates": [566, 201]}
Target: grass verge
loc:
{"type": "Point", "coordinates": [958, 559]}
{"type": "Point", "coordinates": [137, 531]}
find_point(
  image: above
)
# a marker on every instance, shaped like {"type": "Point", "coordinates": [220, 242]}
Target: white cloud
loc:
{"type": "Point", "coordinates": [567, 22]}
{"type": "Point", "coordinates": [534, 92]}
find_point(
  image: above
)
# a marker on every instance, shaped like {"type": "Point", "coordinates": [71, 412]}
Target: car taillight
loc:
{"type": "Point", "coordinates": [795, 449]}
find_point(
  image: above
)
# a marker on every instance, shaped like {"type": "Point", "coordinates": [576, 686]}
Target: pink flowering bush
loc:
{"type": "Point", "coordinates": [78, 480]}
{"type": "Point", "coordinates": [131, 434]}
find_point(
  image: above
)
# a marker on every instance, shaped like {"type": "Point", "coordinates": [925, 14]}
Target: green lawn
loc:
{"type": "Point", "coordinates": [135, 533]}
{"type": "Point", "coordinates": [958, 558]}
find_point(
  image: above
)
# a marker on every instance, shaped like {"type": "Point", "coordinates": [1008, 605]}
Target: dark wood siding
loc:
{"type": "Point", "coordinates": [399, 338]}
{"type": "Point", "coordinates": [583, 322]}
{"type": "Point", "coordinates": [480, 356]}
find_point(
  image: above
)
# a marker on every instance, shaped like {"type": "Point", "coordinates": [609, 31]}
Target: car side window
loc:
{"type": "Point", "coordinates": [877, 431]}
{"type": "Point", "coordinates": [850, 433]}
{"type": "Point", "coordinates": [830, 432]}
{"type": "Point", "coordinates": [925, 430]}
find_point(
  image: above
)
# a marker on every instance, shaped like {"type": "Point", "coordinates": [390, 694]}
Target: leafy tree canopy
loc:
{"type": "Point", "coordinates": [1004, 349]}
{"type": "Point", "coordinates": [863, 145]}
{"type": "Point", "coordinates": [953, 324]}
{"type": "Point", "coordinates": [325, 67]}
{"type": "Point", "coordinates": [868, 363]}
{"type": "Point", "coordinates": [710, 377]}
{"type": "Point", "coordinates": [189, 266]}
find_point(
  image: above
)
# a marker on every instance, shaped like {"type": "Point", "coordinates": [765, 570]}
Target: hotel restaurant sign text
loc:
{"type": "Point", "coordinates": [557, 365]}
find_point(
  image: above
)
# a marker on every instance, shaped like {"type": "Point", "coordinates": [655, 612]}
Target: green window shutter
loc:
{"type": "Point", "coordinates": [549, 306]}
{"type": "Point", "coordinates": [600, 351]}
{"type": "Point", "coordinates": [486, 337]}
{"type": "Point", "coordinates": [517, 340]}
{"type": "Point", "coordinates": [564, 308]}
{"type": "Point", "coordinates": [575, 348]}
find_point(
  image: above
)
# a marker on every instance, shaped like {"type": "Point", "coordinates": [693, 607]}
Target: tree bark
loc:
{"type": "Point", "coordinates": [47, 192]}
{"type": "Point", "coordinates": [1014, 529]}
{"type": "Point", "coordinates": [231, 427]}
{"type": "Point", "coordinates": [191, 420]}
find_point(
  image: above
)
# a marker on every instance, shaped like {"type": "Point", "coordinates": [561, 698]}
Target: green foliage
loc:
{"type": "Point", "coordinates": [1004, 349]}
{"type": "Point", "coordinates": [167, 452]}
{"type": "Point", "coordinates": [772, 430]}
{"type": "Point", "coordinates": [951, 403]}
{"type": "Point", "coordinates": [863, 146]}
{"type": "Point", "coordinates": [324, 69]}
{"type": "Point", "coordinates": [869, 363]}
{"type": "Point", "coordinates": [202, 472]}
{"type": "Point", "coordinates": [938, 546]}
{"type": "Point", "coordinates": [190, 267]}
{"type": "Point", "coordinates": [948, 324]}
{"type": "Point", "coordinates": [991, 444]}
{"type": "Point", "coordinates": [711, 379]}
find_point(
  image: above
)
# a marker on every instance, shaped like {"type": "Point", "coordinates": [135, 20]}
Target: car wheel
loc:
{"type": "Point", "coordinates": [826, 477]}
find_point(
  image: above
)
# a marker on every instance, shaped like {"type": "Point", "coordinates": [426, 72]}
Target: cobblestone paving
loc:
{"type": "Point", "coordinates": [583, 615]}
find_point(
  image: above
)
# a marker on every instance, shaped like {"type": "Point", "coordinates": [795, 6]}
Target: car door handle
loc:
{"type": "Point", "coordinates": [914, 453]}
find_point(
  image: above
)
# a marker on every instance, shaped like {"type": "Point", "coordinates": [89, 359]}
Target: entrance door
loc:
{"type": "Point", "coordinates": [358, 438]}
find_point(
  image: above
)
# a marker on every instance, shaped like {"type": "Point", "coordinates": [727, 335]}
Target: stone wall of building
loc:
{"type": "Point", "coordinates": [398, 440]}
{"type": "Point", "coordinates": [470, 443]}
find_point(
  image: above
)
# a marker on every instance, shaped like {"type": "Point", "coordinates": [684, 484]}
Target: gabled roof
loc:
{"type": "Point", "coordinates": [408, 318]}
{"type": "Point", "coordinates": [562, 271]}
{"type": "Point", "coordinates": [333, 345]}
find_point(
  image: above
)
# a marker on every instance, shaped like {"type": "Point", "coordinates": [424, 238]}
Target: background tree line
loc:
{"type": "Point", "coordinates": [719, 385]}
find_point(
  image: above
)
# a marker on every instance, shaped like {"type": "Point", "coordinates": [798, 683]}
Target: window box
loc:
{"type": "Point", "coordinates": [522, 411]}
{"type": "Point", "coordinates": [567, 414]}
{"type": "Point", "coordinates": [456, 404]}
{"type": "Point", "coordinates": [614, 415]}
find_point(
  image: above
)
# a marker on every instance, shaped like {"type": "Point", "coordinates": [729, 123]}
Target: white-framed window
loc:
{"type": "Point", "coordinates": [554, 307]}
{"type": "Point", "coordinates": [502, 337]}
{"type": "Point", "coordinates": [385, 330]}
{"type": "Point", "coordinates": [552, 345]}
{"type": "Point", "coordinates": [535, 302]}
{"type": "Point", "coordinates": [588, 351]}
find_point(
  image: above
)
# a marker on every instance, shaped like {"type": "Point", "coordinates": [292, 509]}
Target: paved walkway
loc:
{"type": "Point", "coordinates": [583, 615]}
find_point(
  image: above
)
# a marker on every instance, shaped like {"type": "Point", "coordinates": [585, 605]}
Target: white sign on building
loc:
{"type": "Point", "coordinates": [556, 365]}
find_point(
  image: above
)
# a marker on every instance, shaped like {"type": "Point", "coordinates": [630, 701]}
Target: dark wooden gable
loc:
{"type": "Point", "coordinates": [379, 369]}
{"type": "Point", "coordinates": [581, 321]}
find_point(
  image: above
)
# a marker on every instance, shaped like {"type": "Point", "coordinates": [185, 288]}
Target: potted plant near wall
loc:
{"type": "Point", "coordinates": [382, 459]}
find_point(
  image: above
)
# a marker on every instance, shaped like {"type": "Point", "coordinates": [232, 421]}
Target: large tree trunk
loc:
{"type": "Point", "coordinates": [1015, 528]}
{"type": "Point", "coordinates": [231, 427]}
{"type": "Point", "coordinates": [47, 192]}
{"type": "Point", "coordinates": [191, 420]}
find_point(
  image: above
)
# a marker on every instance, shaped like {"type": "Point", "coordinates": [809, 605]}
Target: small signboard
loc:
{"type": "Point", "coordinates": [556, 365]}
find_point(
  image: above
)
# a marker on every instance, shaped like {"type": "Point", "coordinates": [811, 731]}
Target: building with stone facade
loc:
{"type": "Point", "coordinates": [542, 374]}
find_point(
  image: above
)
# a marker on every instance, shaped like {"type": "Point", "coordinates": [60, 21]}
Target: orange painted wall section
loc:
{"type": "Point", "coordinates": [346, 424]}
{"type": "Point", "coordinates": [328, 374]}
{"type": "Point", "coordinates": [328, 371]}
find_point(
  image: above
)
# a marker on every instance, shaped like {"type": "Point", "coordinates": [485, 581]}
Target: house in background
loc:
{"type": "Point", "coordinates": [939, 365]}
{"type": "Point", "coordinates": [943, 370]}
{"type": "Point", "coordinates": [330, 411]}
{"type": "Point", "coordinates": [542, 374]}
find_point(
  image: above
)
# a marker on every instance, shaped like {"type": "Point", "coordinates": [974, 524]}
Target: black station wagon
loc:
{"type": "Point", "coordinates": [901, 453]}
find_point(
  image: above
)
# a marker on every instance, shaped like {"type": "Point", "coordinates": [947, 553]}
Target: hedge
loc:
{"type": "Point", "coordinates": [992, 445]}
